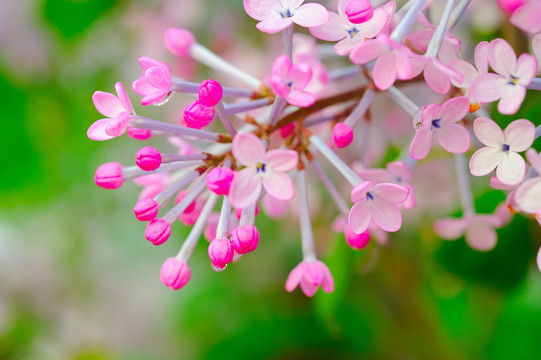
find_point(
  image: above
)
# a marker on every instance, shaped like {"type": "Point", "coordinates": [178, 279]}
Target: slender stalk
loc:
{"type": "Point", "coordinates": [166, 194]}
{"type": "Point", "coordinates": [179, 208]}
{"type": "Point", "coordinates": [361, 108]}
{"type": "Point", "coordinates": [307, 236]}
{"type": "Point", "coordinates": [333, 191]}
{"type": "Point", "coordinates": [224, 118]}
{"type": "Point", "coordinates": [402, 100]}
{"type": "Point", "coordinates": [150, 124]}
{"type": "Point", "coordinates": [466, 198]}
{"type": "Point", "coordinates": [437, 39]}
{"type": "Point", "coordinates": [405, 24]}
{"type": "Point", "coordinates": [131, 172]}
{"type": "Point", "coordinates": [288, 41]}
{"type": "Point", "coordinates": [222, 230]}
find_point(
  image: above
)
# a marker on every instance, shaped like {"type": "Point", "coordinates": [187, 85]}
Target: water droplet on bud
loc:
{"type": "Point", "coordinates": [165, 99]}
{"type": "Point", "coordinates": [217, 268]}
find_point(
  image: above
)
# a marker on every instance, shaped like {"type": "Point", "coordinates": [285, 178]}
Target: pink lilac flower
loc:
{"type": "Point", "coordinates": [441, 121]}
{"type": "Point", "coordinates": [340, 28]}
{"type": "Point", "coordinates": [528, 16]}
{"type": "Point", "coordinates": [501, 149]}
{"type": "Point", "coordinates": [276, 15]}
{"type": "Point", "coordinates": [421, 38]}
{"type": "Point", "coordinates": [288, 81]}
{"type": "Point", "coordinates": [155, 84]}
{"type": "Point", "coordinates": [393, 60]}
{"type": "Point", "coordinates": [511, 78]}
{"type": "Point", "coordinates": [477, 228]}
{"type": "Point", "coordinates": [527, 196]}
{"type": "Point", "coordinates": [309, 275]}
{"type": "Point", "coordinates": [470, 72]}
{"type": "Point", "coordinates": [263, 169]}
{"type": "Point", "coordinates": [305, 52]}
{"type": "Point", "coordinates": [377, 203]}
{"type": "Point", "coordinates": [118, 110]}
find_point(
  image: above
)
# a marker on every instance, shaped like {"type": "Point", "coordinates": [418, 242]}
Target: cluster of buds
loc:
{"type": "Point", "coordinates": [245, 152]}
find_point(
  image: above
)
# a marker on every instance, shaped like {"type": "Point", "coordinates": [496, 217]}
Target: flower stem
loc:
{"type": "Point", "coordinates": [307, 236]}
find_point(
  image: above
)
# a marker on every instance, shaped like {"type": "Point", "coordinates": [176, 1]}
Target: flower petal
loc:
{"type": "Point", "coordinates": [488, 132]}
{"type": "Point", "coordinates": [281, 160]}
{"type": "Point", "coordinates": [421, 144]}
{"type": "Point", "coordinates": [248, 149]}
{"type": "Point", "coordinates": [454, 138]}
{"type": "Point", "coordinates": [261, 9]}
{"type": "Point", "coordinates": [359, 217]}
{"type": "Point", "coordinates": [96, 131]}
{"type": "Point", "coordinates": [502, 57]}
{"type": "Point", "coordinates": [451, 229]}
{"type": "Point", "coordinates": [528, 196]}
{"type": "Point", "coordinates": [278, 185]}
{"type": "Point", "coordinates": [391, 192]}
{"type": "Point", "coordinates": [511, 169]}
{"type": "Point", "coordinates": [481, 236]}
{"type": "Point", "coordinates": [300, 98]}
{"type": "Point", "coordinates": [435, 78]}
{"type": "Point", "coordinates": [386, 215]}
{"type": "Point", "coordinates": [512, 99]}
{"type": "Point", "coordinates": [519, 135]}
{"type": "Point", "coordinates": [488, 88]}
{"type": "Point", "coordinates": [367, 51]}
{"type": "Point", "coordinates": [481, 57]}
{"type": "Point", "coordinates": [123, 97]}
{"type": "Point", "coordinates": [245, 188]}
{"type": "Point", "coordinates": [384, 73]}
{"type": "Point", "coordinates": [300, 75]}
{"type": "Point", "coordinates": [274, 25]}
{"type": "Point", "coordinates": [107, 104]}
{"type": "Point", "coordinates": [294, 277]}
{"type": "Point", "coordinates": [454, 110]}
{"type": "Point", "coordinates": [485, 160]}
{"type": "Point", "coordinates": [333, 30]}
{"type": "Point", "coordinates": [311, 14]}
{"type": "Point", "coordinates": [526, 69]}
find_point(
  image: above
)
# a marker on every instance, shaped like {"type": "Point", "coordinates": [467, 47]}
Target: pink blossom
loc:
{"type": "Point", "coordinates": [276, 15]}
{"type": "Point", "coordinates": [470, 72]}
{"type": "Point", "coordinates": [527, 196]}
{"type": "Point", "coordinates": [263, 169]}
{"type": "Point", "coordinates": [340, 28]}
{"type": "Point", "coordinates": [377, 203]}
{"type": "Point", "coordinates": [109, 175]}
{"type": "Point", "coordinates": [309, 275]}
{"type": "Point", "coordinates": [155, 84]}
{"type": "Point", "coordinates": [441, 120]}
{"type": "Point", "coordinates": [118, 110]}
{"type": "Point", "coordinates": [175, 273]}
{"type": "Point", "coordinates": [421, 38]}
{"type": "Point", "coordinates": [478, 229]}
{"type": "Point", "coordinates": [528, 16]}
{"type": "Point", "coordinates": [511, 78]}
{"type": "Point", "coordinates": [288, 81]}
{"type": "Point", "coordinates": [501, 149]}
{"type": "Point", "coordinates": [305, 51]}
{"type": "Point", "coordinates": [393, 60]}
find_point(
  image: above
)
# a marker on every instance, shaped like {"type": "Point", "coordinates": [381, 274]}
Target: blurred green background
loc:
{"type": "Point", "coordinates": [79, 281]}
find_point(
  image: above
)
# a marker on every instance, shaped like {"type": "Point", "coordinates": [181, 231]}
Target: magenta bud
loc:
{"type": "Point", "coordinates": [238, 212]}
{"type": "Point", "coordinates": [245, 239]}
{"type": "Point", "coordinates": [148, 158]}
{"type": "Point", "coordinates": [509, 6]}
{"type": "Point", "coordinates": [359, 11]}
{"type": "Point", "coordinates": [175, 273]}
{"type": "Point", "coordinates": [158, 231]}
{"type": "Point", "coordinates": [220, 252]}
{"type": "Point", "coordinates": [139, 134]}
{"type": "Point", "coordinates": [109, 175]}
{"type": "Point", "coordinates": [342, 135]}
{"type": "Point", "coordinates": [219, 180]}
{"type": "Point", "coordinates": [146, 209]}
{"type": "Point", "coordinates": [287, 130]}
{"type": "Point", "coordinates": [210, 92]}
{"type": "Point", "coordinates": [198, 116]}
{"type": "Point", "coordinates": [357, 241]}
{"type": "Point", "coordinates": [178, 41]}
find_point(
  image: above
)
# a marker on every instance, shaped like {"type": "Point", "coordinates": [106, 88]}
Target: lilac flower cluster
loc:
{"type": "Point", "coordinates": [269, 132]}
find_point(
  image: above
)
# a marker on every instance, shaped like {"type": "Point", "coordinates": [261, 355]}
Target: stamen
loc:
{"type": "Point", "coordinates": [435, 124]}
{"type": "Point", "coordinates": [505, 147]}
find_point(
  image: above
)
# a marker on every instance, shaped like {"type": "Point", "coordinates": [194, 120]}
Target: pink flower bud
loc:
{"type": "Point", "coordinates": [198, 116]}
{"type": "Point", "coordinates": [342, 135]}
{"type": "Point", "coordinates": [210, 92]}
{"type": "Point", "coordinates": [238, 212]}
{"type": "Point", "coordinates": [220, 252]}
{"type": "Point", "coordinates": [178, 41]}
{"type": "Point", "coordinates": [359, 11]}
{"type": "Point", "coordinates": [357, 241]}
{"type": "Point", "coordinates": [181, 194]}
{"type": "Point", "coordinates": [175, 273]}
{"type": "Point", "coordinates": [109, 175]}
{"type": "Point", "coordinates": [245, 239]}
{"type": "Point", "coordinates": [146, 210]}
{"type": "Point", "coordinates": [148, 158]}
{"type": "Point", "coordinates": [219, 180]}
{"type": "Point", "coordinates": [158, 231]}
{"type": "Point", "coordinates": [509, 6]}
{"type": "Point", "coordinates": [139, 134]}
{"type": "Point", "coordinates": [287, 130]}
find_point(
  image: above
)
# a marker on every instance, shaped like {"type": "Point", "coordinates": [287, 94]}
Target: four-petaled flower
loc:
{"type": "Point", "coordinates": [155, 84]}
{"type": "Point", "coordinates": [511, 78]}
{"type": "Point", "coordinates": [276, 15]}
{"type": "Point", "coordinates": [527, 196]}
{"type": "Point", "coordinates": [377, 203]}
{"type": "Point", "coordinates": [288, 81]}
{"type": "Point", "coordinates": [441, 120]}
{"type": "Point", "coordinates": [263, 169]}
{"type": "Point", "coordinates": [118, 110]}
{"type": "Point", "coordinates": [501, 149]}
{"type": "Point", "coordinates": [309, 275]}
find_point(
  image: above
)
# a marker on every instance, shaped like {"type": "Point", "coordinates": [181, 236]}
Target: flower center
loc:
{"type": "Point", "coordinates": [513, 80]}
{"type": "Point", "coordinates": [260, 167]}
{"type": "Point", "coordinates": [369, 196]}
{"type": "Point", "coordinates": [436, 123]}
{"type": "Point", "coordinates": [286, 14]}
{"type": "Point", "coordinates": [353, 32]}
{"type": "Point", "coordinates": [505, 147]}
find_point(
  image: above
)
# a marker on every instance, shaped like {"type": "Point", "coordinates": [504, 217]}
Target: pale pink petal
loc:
{"type": "Point", "coordinates": [328, 282]}
{"type": "Point", "coordinates": [346, 45]}
{"type": "Point", "coordinates": [333, 30]}
{"type": "Point", "coordinates": [261, 9]}
{"type": "Point", "coordinates": [248, 149]}
{"type": "Point", "coordinates": [454, 110]}
{"type": "Point", "coordinates": [384, 73]}
{"type": "Point", "coordinates": [421, 38]}
{"type": "Point", "coordinates": [376, 175]}
{"type": "Point", "coordinates": [453, 138]}
{"type": "Point", "coordinates": [451, 229]}
{"type": "Point", "coordinates": [391, 192]}
{"type": "Point", "coordinates": [519, 135]}
{"type": "Point", "coordinates": [107, 104]}
{"type": "Point", "coordinates": [402, 63]}
{"type": "Point", "coordinates": [96, 131]}
{"type": "Point", "coordinates": [528, 196]}
{"type": "Point", "coordinates": [300, 76]}
{"type": "Point", "coordinates": [307, 288]}
{"type": "Point", "coordinates": [497, 184]}
{"type": "Point", "coordinates": [154, 97]}
{"type": "Point", "coordinates": [375, 25]}
{"type": "Point", "coordinates": [538, 260]}
{"type": "Point", "coordinates": [279, 185]}
{"type": "Point", "coordinates": [117, 126]}
{"type": "Point", "coordinates": [511, 169]}
{"type": "Point", "coordinates": [158, 77]}
{"type": "Point", "coordinates": [142, 87]}
{"type": "Point", "coordinates": [281, 160]}
{"type": "Point", "coordinates": [434, 78]}
{"type": "Point", "coordinates": [421, 144]}
{"type": "Point", "coordinates": [386, 215]}
{"type": "Point", "coordinates": [279, 86]}
{"type": "Point", "coordinates": [310, 14]}
{"type": "Point", "coordinates": [123, 97]}
{"type": "Point", "coordinates": [536, 46]}
{"type": "Point", "coordinates": [282, 66]}
{"type": "Point", "coordinates": [367, 51]}
{"type": "Point", "coordinates": [300, 98]}
{"type": "Point", "coordinates": [245, 188]}
{"type": "Point", "coordinates": [294, 277]}
{"type": "Point", "coordinates": [468, 71]}
{"type": "Point", "coordinates": [485, 160]}
{"type": "Point", "coordinates": [528, 17]}
{"type": "Point", "coordinates": [274, 25]}
{"type": "Point", "coordinates": [147, 62]}
{"type": "Point", "coordinates": [526, 69]}
{"type": "Point", "coordinates": [342, 8]}
{"type": "Point", "coordinates": [359, 217]}
{"type": "Point", "coordinates": [358, 193]}
{"type": "Point", "coordinates": [488, 132]}
{"type": "Point", "coordinates": [534, 159]}
{"type": "Point", "coordinates": [501, 57]}
{"type": "Point", "coordinates": [488, 88]}
{"type": "Point", "coordinates": [481, 57]}
{"type": "Point", "coordinates": [398, 168]}
{"type": "Point", "coordinates": [512, 99]}
{"type": "Point", "coordinates": [481, 236]}
{"type": "Point", "coordinates": [313, 272]}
